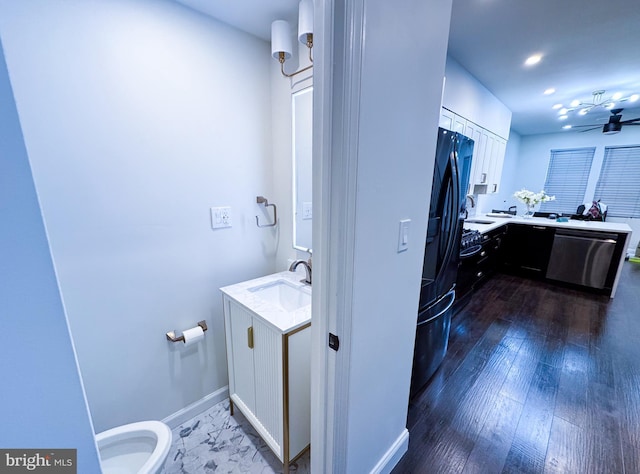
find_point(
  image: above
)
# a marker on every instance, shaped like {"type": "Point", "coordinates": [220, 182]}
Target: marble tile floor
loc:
{"type": "Point", "coordinates": [215, 441]}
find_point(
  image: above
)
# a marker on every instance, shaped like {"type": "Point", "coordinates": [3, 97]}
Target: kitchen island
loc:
{"type": "Point", "coordinates": [582, 254]}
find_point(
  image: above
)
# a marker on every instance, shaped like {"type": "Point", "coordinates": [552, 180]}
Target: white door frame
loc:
{"type": "Point", "coordinates": [337, 68]}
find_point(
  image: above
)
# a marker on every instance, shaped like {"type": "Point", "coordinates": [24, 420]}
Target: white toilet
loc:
{"type": "Point", "coordinates": [136, 448]}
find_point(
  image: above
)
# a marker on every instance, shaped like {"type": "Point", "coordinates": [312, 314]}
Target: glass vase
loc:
{"type": "Point", "coordinates": [530, 211]}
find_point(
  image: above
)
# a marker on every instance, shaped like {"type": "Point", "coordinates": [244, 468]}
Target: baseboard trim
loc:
{"type": "Point", "coordinates": [393, 454]}
{"type": "Point", "coordinates": [176, 419]}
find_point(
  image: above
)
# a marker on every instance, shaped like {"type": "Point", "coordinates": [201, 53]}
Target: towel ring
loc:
{"type": "Point", "coordinates": [263, 200]}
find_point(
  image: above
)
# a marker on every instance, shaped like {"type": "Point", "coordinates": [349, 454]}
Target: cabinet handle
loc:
{"type": "Point", "coordinates": [538, 227]}
{"type": "Point", "coordinates": [250, 337]}
{"type": "Point", "coordinates": [483, 178]}
{"type": "Point", "coordinates": [479, 274]}
{"type": "Point", "coordinates": [495, 188]}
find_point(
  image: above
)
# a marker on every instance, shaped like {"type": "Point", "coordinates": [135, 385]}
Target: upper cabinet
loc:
{"type": "Point", "coordinates": [469, 108]}
{"type": "Point", "coordinates": [451, 121]}
{"type": "Point", "coordinates": [488, 153]}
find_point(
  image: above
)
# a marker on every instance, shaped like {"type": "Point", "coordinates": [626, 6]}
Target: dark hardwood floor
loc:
{"type": "Point", "coordinates": [537, 379]}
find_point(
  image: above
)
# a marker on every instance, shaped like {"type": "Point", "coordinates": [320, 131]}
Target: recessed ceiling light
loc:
{"type": "Point", "coordinates": [634, 97]}
{"type": "Point", "coordinates": [557, 106]}
{"type": "Point", "coordinates": [549, 91]}
{"type": "Point", "coordinates": [584, 111]}
{"type": "Point", "coordinates": [563, 117]}
{"type": "Point", "coordinates": [531, 60]}
{"type": "Point", "coordinates": [566, 127]}
{"type": "Point", "coordinates": [616, 96]}
{"type": "Point", "coordinates": [575, 103]}
{"type": "Point", "coordinates": [563, 111]}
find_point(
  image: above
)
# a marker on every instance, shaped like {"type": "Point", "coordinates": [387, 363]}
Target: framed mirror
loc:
{"type": "Point", "coordinates": [302, 114]}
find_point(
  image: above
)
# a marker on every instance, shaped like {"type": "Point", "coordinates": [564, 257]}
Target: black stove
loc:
{"type": "Point", "coordinates": [470, 243]}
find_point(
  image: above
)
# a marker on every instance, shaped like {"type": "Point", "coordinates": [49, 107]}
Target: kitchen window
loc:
{"type": "Point", "coordinates": [619, 183]}
{"type": "Point", "coordinates": [567, 178]}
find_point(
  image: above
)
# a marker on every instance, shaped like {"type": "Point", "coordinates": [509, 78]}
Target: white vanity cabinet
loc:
{"type": "Point", "coordinates": [269, 368]}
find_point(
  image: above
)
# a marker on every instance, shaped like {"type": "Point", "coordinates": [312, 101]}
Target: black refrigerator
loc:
{"type": "Point", "coordinates": [442, 254]}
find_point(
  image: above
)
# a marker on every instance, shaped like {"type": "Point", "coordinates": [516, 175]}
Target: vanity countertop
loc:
{"type": "Point", "coordinates": [617, 227]}
{"type": "Point", "coordinates": [273, 314]}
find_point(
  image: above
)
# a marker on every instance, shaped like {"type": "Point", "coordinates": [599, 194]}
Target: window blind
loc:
{"type": "Point", "coordinates": [619, 183]}
{"type": "Point", "coordinates": [567, 178]}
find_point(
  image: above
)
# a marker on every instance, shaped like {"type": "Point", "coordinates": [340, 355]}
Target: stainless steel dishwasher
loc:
{"type": "Point", "coordinates": [583, 258]}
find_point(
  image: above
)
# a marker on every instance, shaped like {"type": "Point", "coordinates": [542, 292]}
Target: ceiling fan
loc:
{"type": "Point", "coordinates": [614, 125]}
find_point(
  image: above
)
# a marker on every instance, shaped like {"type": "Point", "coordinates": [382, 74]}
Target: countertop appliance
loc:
{"type": "Point", "coordinates": [442, 254]}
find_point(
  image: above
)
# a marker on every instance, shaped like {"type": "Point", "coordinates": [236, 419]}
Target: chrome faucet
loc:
{"type": "Point", "coordinates": [307, 267]}
{"type": "Point", "coordinates": [471, 198]}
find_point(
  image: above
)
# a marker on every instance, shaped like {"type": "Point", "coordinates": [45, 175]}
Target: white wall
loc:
{"type": "Point", "coordinates": [395, 168]}
{"type": "Point", "coordinates": [381, 149]}
{"type": "Point", "coordinates": [527, 168]}
{"type": "Point", "coordinates": [138, 116]}
{"type": "Point", "coordinates": [467, 97]}
{"type": "Point", "coordinates": [43, 404]}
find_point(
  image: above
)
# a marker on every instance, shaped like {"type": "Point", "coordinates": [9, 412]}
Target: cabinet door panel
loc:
{"type": "Point", "coordinates": [528, 248]}
{"type": "Point", "coordinates": [488, 158]}
{"type": "Point", "coordinates": [496, 165]}
{"type": "Point", "coordinates": [473, 131]}
{"type": "Point", "coordinates": [480, 178]}
{"type": "Point", "coordinates": [446, 119]}
{"type": "Point", "coordinates": [242, 383]}
{"type": "Point", "coordinates": [299, 390]}
{"type": "Point", "coordinates": [459, 124]}
{"type": "Point", "coordinates": [268, 379]}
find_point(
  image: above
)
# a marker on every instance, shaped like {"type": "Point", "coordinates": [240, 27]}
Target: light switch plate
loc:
{"type": "Point", "coordinates": [220, 217]}
{"type": "Point", "coordinates": [307, 210]}
{"type": "Point", "coordinates": [403, 235]}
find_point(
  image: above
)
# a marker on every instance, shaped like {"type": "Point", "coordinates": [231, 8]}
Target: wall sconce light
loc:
{"type": "Point", "coordinates": [281, 46]}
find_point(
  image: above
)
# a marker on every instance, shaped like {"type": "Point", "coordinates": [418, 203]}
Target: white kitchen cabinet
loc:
{"type": "Point", "coordinates": [488, 153]}
{"type": "Point", "coordinates": [497, 161]}
{"type": "Point", "coordinates": [489, 156]}
{"type": "Point", "coordinates": [459, 124]}
{"type": "Point", "coordinates": [446, 119]}
{"type": "Point", "coordinates": [488, 170]}
{"type": "Point", "coordinates": [479, 137]}
{"type": "Point", "coordinates": [269, 376]}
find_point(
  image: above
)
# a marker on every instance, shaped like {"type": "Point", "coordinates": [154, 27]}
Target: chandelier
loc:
{"type": "Point", "coordinates": [598, 100]}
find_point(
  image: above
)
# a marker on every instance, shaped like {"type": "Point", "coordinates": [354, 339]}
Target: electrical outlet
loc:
{"type": "Point", "coordinates": [220, 217]}
{"type": "Point", "coordinates": [307, 210]}
{"type": "Point", "coordinates": [225, 216]}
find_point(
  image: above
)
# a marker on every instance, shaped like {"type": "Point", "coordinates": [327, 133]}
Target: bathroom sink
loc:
{"type": "Point", "coordinates": [478, 221]}
{"type": "Point", "coordinates": [284, 294]}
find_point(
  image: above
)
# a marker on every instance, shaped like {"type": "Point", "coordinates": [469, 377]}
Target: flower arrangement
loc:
{"type": "Point", "coordinates": [530, 198]}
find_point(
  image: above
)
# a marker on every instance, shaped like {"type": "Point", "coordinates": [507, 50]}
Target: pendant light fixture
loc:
{"type": "Point", "coordinates": [597, 101]}
{"type": "Point", "coordinates": [281, 46]}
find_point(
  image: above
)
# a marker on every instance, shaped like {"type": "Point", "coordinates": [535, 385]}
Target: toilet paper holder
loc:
{"type": "Point", "coordinates": [171, 335]}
